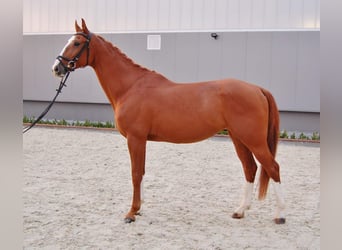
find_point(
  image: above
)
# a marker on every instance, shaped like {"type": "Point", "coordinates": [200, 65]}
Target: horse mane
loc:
{"type": "Point", "coordinates": [122, 54]}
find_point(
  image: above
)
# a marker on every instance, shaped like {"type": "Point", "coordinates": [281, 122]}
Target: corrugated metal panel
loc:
{"type": "Point", "coordinates": [286, 63]}
{"type": "Point", "coordinates": [51, 16]}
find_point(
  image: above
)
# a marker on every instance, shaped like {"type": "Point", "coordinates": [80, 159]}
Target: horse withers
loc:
{"type": "Point", "coordinates": [148, 106]}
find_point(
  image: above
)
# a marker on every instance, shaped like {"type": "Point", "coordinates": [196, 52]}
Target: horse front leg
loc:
{"type": "Point", "coordinates": [137, 150]}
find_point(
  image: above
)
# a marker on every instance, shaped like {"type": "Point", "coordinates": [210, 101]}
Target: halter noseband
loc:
{"type": "Point", "coordinates": [71, 63]}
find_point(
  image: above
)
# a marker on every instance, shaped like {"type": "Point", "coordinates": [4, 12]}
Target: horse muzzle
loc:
{"type": "Point", "coordinates": [59, 69]}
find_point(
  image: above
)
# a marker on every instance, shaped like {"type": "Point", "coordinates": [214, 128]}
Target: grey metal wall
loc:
{"type": "Point", "coordinates": [286, 63]}
{"type": "Point", "coordinates": [290, 121]}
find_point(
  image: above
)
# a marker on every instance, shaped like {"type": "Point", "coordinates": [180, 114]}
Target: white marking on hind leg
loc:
{"type": "Point", "coordinates": [257, 183]}
{"type": "Point", "coordinates": [246, 200]}
{"type": "Point", "coordinates": [280, 211]}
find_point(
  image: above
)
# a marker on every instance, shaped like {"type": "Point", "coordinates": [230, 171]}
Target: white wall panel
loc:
{"type": "Point", "coordinates": [283, 10]}
{"type": "Point", "coordinates": [164, 14]}
{"type": "Point", "coordinates": [110, 15]}
{"type": "Point", "coordinates": [51, 16]}
{"type": "Point", "coordinates": [221, 14]}
{"type": "Point", "coordinates": [296, 13]}
{"type": "Point", "coordinates": [152, 15]}
{"type": "Point", "coordinates": [309, 14]}
{"type": "Point", "coordinates": [186, 14]}
{"type": "Point", "coordinates": [270, 14]}
{"type": "Point", "coordinates": [233, 14]}
{"type": "Point", "coordinates": [198, 15]}
{"type": "Point", "coordinates": [175, 15]}
{"type": "Point", "coordinates": [257, 16]}
{"type": "Point", "coordinates": [209, 13]}
{"type": "Point", "coordinates": [245, 13]}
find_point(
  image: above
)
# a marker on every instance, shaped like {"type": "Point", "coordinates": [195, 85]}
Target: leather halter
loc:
{"type": "Point", "coordinates": [71, 63]}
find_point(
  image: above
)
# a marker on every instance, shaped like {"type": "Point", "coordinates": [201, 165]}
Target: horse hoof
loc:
{"type": "Point", "coordinates": [279, 220]}
{"type": "Point", "coordinates": [129, 220]}
{"type": "Point", "coordinates": [237, 216]}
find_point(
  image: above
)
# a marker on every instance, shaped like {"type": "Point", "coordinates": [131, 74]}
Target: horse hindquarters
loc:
{"type": "Point", "coordinates": [260, 138]}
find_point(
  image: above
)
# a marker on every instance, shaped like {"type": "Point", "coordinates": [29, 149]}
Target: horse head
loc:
{"type": "Point", "coordinates": [75, 53]}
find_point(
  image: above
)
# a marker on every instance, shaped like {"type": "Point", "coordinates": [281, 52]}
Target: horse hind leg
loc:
{"type": "Point", "coordinates": [271, 169]}
{"type": "Point", "coordinates": [280, 211]}
{"type": "Point", "coordinates": [250, 168]}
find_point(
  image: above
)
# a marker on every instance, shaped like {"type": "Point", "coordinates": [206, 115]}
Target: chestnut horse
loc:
{"type": "Point", "coordinates": [148, 106]}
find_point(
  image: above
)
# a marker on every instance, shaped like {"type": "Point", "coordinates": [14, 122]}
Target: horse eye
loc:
{"type": "Point", "coordinates": [76, 44]}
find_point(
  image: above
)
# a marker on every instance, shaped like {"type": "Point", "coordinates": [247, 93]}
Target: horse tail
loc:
{"type": "Point", "coordinates": [272, 140]}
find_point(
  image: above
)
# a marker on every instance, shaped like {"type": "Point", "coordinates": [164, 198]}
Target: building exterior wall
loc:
{"type": "Point", "coordinates": [51, 16]}
{"type": "Point", "coordinates": [286, 63]}
{"type": "Point", "coordinates": [272, 43]}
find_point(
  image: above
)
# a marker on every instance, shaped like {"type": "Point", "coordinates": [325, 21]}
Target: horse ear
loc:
{"type": "Point", "coordinates": [84, 27]}
{"type": "Point", "coordinates": [77, 27]}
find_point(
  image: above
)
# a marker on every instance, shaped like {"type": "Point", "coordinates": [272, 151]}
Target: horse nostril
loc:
{"type": "Point", "coordinates": [55, 69]}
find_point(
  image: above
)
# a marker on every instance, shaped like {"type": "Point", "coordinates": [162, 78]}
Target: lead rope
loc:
{"type": "Point", "coordinates": [59, 90]}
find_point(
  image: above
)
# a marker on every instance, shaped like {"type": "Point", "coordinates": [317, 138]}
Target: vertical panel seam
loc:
{"type": "Point", "coordinates": [270, 84]}
{"type": "Point", "coordinates": [246, 50]}
{"type": "Point", "coordinates": [296, 68]}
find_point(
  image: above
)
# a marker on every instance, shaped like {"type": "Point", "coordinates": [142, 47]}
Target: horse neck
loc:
{"type": "Point", "coordinates": [115, 71]}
